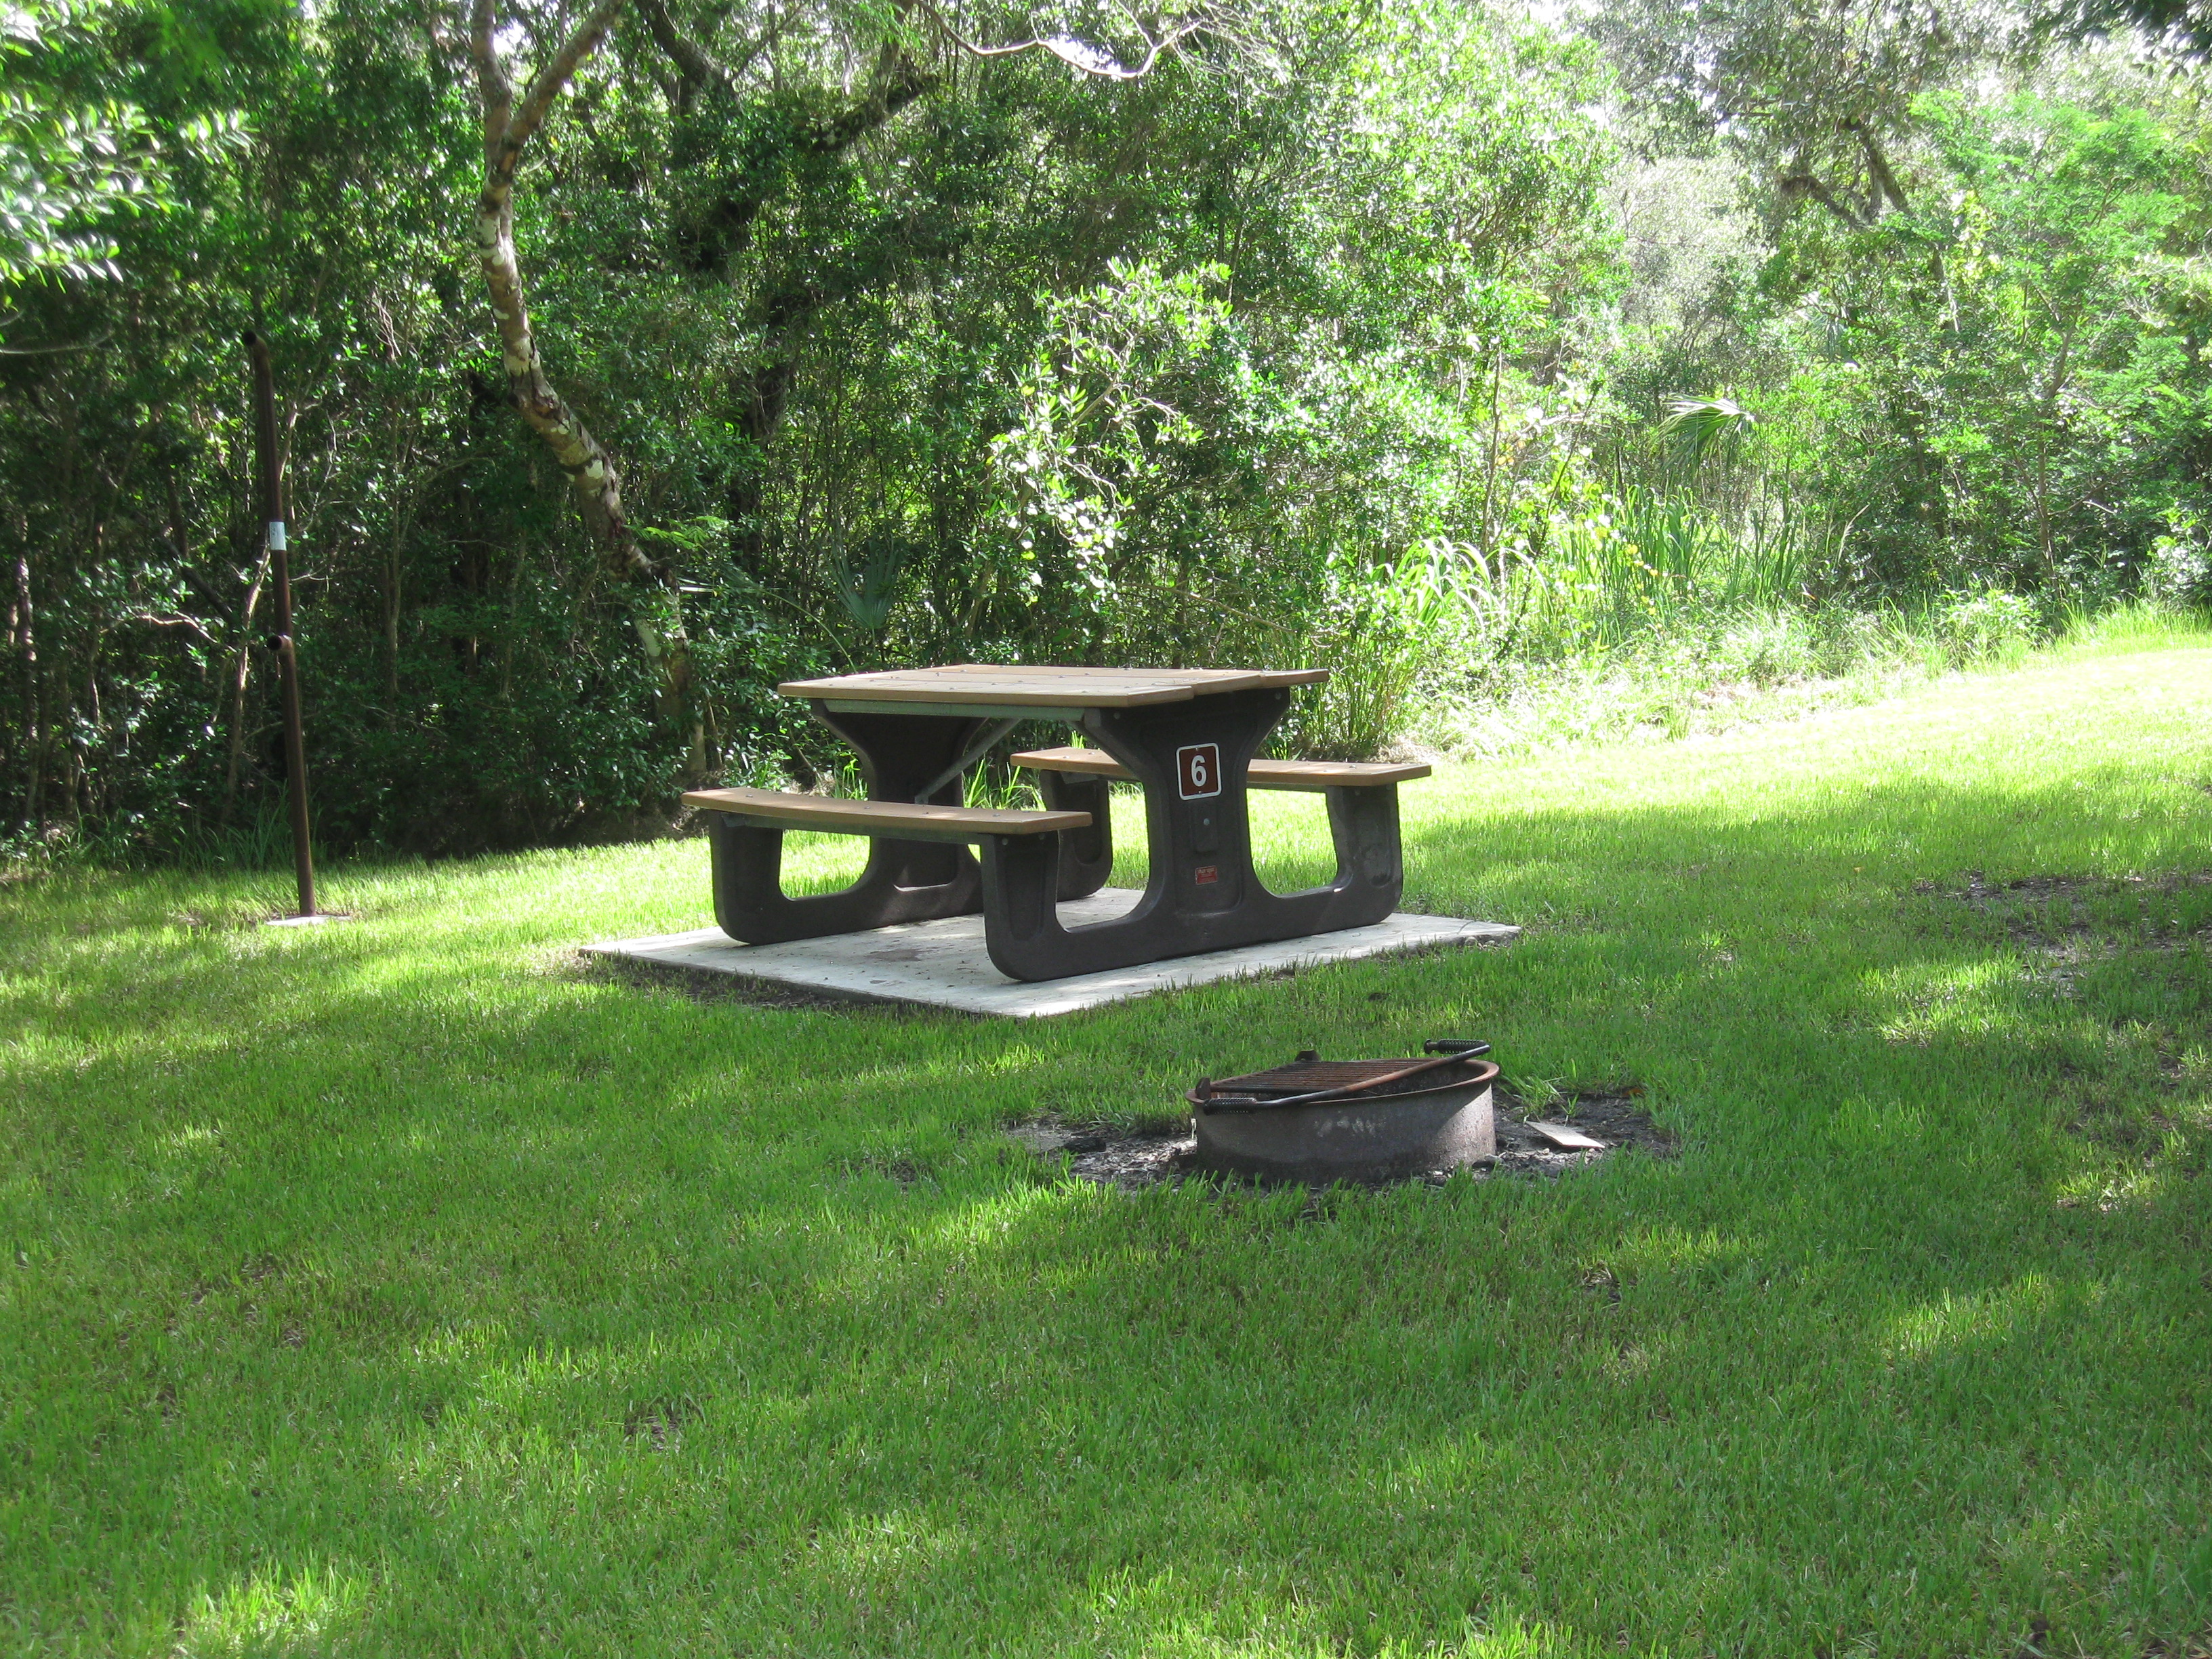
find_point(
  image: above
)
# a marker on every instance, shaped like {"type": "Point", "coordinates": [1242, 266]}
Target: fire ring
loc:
{"type": "Point", "coordinates": [1319, 1120]}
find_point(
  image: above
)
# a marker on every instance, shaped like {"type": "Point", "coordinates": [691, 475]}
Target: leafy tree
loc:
{"type": "Point", "coordinates": [2030, 410]}
{"type": "Point", "coordinates": [71, 161]}
{"type": "Point", "coordinates": [815, 337]}
{"type": "Point", "coordinates": [794, 274]}
{"type": "Point", "coordinates": [2183, 28]}
{"type": "Point", "coordinates": [1814, 97]}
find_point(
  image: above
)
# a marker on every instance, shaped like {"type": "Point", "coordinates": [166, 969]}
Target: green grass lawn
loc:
{"type": "Point", "coordinates": [405, 1287]}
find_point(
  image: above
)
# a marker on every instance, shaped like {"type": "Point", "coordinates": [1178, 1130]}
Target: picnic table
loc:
{"type": "Point", "coordinates": [1187, 736]}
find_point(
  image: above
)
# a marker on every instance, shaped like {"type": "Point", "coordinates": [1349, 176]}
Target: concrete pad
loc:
{"type": "Point", "coordinates": [943, 964]}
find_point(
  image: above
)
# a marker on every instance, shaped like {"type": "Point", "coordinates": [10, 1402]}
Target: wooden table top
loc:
{"type": "Point", "coordinates": [983, 686]}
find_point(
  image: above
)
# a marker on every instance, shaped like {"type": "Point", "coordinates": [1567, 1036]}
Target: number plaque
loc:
{"type": "Point", "coordinates": [1198, 768]}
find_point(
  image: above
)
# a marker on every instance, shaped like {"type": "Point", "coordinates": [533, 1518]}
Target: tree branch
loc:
{"type": "Point", "coordinates": [698, 66]}
{"type": "Point", "coordinates": [99, 339]}
{"type": "Point", "coordinates": [721, 228]}
{"type": "Point", "coordinates": [1882, 183]}
{"type": "Point", "coordinates": [1878, 167]}
{"type": "Point", "coordinates": [899, 83]}
{"type": "Point", "coordinates": [494, 89]}
{"type": "Point", "coordinates": [590, 471]}
{"type": "Point", "coordinates": [191, 623]}
{"type": "Point", "coordinates": [1095, 61]}
{"type": "Point", "coordinates": [556, 75]}
{"type": "Point", "coordinates": [1803, 184]}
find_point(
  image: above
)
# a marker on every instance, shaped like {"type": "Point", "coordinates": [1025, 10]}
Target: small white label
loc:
{"type": "Point", "coordinates": [276, 534]}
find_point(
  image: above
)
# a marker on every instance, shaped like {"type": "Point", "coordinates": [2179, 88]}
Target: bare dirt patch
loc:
{"type": "Point", "coordinates": [658, 1424]}
{"type": "Point", "coordinates": [1616, 1118]}
{"type": "Point", "coordinates": [2064, 924]}
{"type": "Point", "coordinates": [2040, 908]}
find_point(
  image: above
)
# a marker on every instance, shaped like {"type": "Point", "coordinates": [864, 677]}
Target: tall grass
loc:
{"type": "Point", "coordinates": [1629, 608]}
{"type": "Point", "coordinates": [1380, 631]}
{"type": "Point", "coordinates": [1636, 564]}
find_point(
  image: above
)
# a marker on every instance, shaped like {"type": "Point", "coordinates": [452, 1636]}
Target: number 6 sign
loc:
{"type": "Point", "coordinates": [1198, 768]}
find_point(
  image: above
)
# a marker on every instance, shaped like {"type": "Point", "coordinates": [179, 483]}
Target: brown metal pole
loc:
{"type": "Point", "coordinates": [271, 501]}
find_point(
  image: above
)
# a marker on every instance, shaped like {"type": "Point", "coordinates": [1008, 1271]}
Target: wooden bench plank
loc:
{"type": "Point", "coordinates": [1263, 773]}
{"type": "Point", "coordinates": [883, 818]}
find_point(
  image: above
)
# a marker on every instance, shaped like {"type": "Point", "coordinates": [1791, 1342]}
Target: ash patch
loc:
{"type": "Point", "coordinates": [1617, 1120]}
{"type": "Point", "coordinates": [1131, 1160]}
{"type": "Point", "coordinates": [1136, 1161]}
{"type": "Point", "coordinates": [2041, 909]}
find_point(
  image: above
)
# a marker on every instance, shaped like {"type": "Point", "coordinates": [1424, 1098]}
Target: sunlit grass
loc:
{"type": "Point", "coordinates": [1710, 673]}
{"type": "Point", "coordinates": [407, 1286]}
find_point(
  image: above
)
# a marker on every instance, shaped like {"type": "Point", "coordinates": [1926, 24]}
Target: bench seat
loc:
{"type": "Point", "coordinates": [897, 820]}
{"type": "Point", "coordinates": [1263, 773]}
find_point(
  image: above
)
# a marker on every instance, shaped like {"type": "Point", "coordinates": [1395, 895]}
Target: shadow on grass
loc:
{"type": "Point", "coordinates": [348, 1267]}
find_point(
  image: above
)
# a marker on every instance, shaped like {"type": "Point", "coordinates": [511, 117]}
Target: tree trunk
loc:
{"type": "Point", "coordinates": [595, 481]}
{"type": "Point", "coordinates": [2043, 510]}
{"type": "Point", "coordinates": [761, 397]}
{"type": "Point", "coordinates": [179, 531]}
{"type": "Point", "coordinates": [240, 668]}
{"type": "Point", "coordinates": [394, 583]}
{"type": "Point", "coordinates": [392, 597]}
{"type": "Point", "coordinates": [90, 724]}
{"type": "Point", "coordinates": [592, 473]}
{"type": "Point", "coordinates": [1490, 460]}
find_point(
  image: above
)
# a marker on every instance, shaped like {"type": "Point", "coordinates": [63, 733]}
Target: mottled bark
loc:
{"type": "Point", "coordinates": [594, 477]}
{"type": "Point", "coordinates": [508, 128]}
{"type": "Point", "coordinates": [242, 668]}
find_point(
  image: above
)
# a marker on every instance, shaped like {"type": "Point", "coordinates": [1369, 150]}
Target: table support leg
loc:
{"type": "Point", "coordinates": [1086, 856]}
{"type": "Point", "coordinates": [1203, 894]}
{"type": "Point", "coordinates": [905, 880]}
{"type": "Point", "coordinates": [1370, 868]}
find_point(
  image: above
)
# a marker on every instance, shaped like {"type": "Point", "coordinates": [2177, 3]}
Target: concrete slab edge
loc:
{"type": "Point", "coordinates": [1046, 999]}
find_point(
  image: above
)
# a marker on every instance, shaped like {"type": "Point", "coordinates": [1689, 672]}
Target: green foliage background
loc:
{"type": "Point", "coordinates": [1349, 334]}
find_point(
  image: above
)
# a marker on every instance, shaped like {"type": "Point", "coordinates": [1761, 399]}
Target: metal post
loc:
{"type": "Point", "coordinates": [270, 495]}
